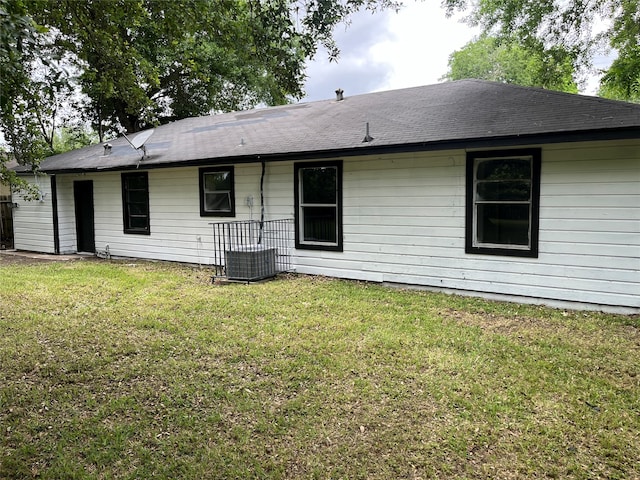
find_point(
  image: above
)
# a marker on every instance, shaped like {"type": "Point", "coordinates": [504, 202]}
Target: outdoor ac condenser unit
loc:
{"type": "Point", "coordinates": [250, 262]}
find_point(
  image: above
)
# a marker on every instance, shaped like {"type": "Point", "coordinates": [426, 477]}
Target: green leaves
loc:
{"type": "Point", "coordinates": [567, 32]}
{"type": "Point", "coordinates": [132, 64]}
{"type": "Point", "coordinates": [145, 62]}
{"type": "Point", "coordinates": [17, 38]}
{"type": "Point", "coordinates": [622, 80]}
{"type": "Point", "coordinates": [488, 58]}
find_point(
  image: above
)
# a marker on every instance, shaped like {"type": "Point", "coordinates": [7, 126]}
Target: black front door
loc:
{"type": "Point", "coordinates": [6, 222]}
{"type": "Point", "coordinates": [83, 198]}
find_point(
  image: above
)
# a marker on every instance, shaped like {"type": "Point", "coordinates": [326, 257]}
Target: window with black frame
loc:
{"type": "Point", "coordinates": [318, 197]}
{"type": "Point", "coordinates": [217, 197]}
{"type": "Point", "coordinates": [135, 203]}
{"type": "Point", "coordinates": [503, 189]}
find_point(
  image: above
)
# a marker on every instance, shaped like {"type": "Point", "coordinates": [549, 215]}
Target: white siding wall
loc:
{"type": "Point", "coordinates": [33, 220]}
{"type": "Point", "coordinates": [66, 214]}
{"type": "Point", "coordinates": [590, 222]}
{"type": "Point", "coordinates": [178, 233]}
{"type": "Point", "coordinates": [404, 223]}
{"type": "Point", "coordinates": [404, 219]}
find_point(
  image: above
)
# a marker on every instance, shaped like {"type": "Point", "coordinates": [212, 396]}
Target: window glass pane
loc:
{"type": "Point", "coordinates": [319, 185]}
{"type": "Point", "coordinates": [135, 202]}
{"type": "Point", "coordinates": [136, 182]}
{"type": "Point", "coordinates": [217, 202]}
{"type": "Point", "coordinates": [217, 196]}
{"type": "Point", "coordinates": [504, 169]}
{"type": "Point", "coordinates": [504, 224]}
{"type": "Point", "coordinates": [137, 196]}
{"type": "Point", "coordinates": [137, 209]}
{"type": "Point", "coordinates": [319, 224]}
{"type": "Point", "coordinates": [504, 191]}
{"type": "Point", "coordinates": [217, 181]}
{"type": "Point", "coordinates": [137, 221]}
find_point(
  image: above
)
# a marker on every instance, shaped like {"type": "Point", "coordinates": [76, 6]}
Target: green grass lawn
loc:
{"type": "Point", "coordinates": [140, 370]}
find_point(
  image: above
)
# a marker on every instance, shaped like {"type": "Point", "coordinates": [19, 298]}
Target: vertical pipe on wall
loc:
{"type": "Point", "coordinates": [54, 209]}
{"type": "Point", "coordinates": [262, 200]}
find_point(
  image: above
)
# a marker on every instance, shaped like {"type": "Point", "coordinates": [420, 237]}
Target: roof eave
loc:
{"type": "Point", "coordinates": [497, 141]}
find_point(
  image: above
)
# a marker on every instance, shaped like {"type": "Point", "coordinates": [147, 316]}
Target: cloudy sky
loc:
{"type": "Point", "coordinates": [388, 50]}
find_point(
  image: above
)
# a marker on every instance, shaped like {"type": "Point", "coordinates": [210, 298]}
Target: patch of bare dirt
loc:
{"type": "Point", "coordinates": [13, 257]}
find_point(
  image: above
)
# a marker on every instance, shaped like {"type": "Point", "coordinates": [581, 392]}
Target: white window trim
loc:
{"type": "Point", "coordinates": [311, 205]}
{"type": "Point", "coordinates": [476, 203]}
{"type": "Point", "coordinates": [337, 244]}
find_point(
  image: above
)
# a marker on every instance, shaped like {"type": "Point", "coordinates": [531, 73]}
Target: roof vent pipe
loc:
{"type": "Point", "coordinates": [367, 137]}
{"type": "Point", "coordinates": [339, 96]}
{"type": "Point", "coordinates": [107, 149]}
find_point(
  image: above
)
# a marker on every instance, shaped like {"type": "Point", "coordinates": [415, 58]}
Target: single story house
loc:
{"type": "Point", "coordinates": [469, 186]}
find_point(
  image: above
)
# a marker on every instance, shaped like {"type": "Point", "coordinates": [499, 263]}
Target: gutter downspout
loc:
{"type": "Point", "coordinates": [264, 166]}
{"type": "Point", "coordinates": [54, 208]}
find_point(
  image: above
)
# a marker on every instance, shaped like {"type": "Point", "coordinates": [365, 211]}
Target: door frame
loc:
{"type": "Point", "coordinates": [84, 212]}
{"type": "Point", "coordinates": [6, 221]}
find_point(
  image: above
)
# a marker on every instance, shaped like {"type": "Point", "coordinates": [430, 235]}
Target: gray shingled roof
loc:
{"type": "Point", "coordinates": [433, 116]}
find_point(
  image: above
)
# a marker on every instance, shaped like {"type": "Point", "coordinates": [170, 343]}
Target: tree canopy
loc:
{"type": "Point", "coordinates": [579, 28]}
{"type": "Point", "coordinates": [18, 120]}
{"type": "Point", "coordinates": [131, 64]}
{"type": "Point", "coordinates": [143, 62]}
{"type": "Point", "coordinates": [489, 58]}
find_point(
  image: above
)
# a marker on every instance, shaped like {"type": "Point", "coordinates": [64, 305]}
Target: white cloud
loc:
{"type": "Point", "coordinates": [357, 69]}
{"type": "Point", "coordinates": [423, 40]}
{"type": "Point", "coordinates": [388, 50]}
